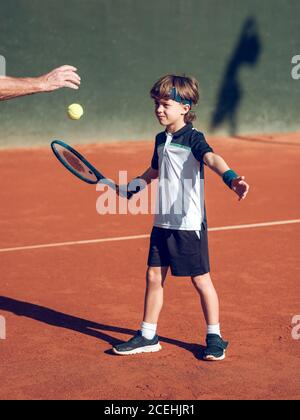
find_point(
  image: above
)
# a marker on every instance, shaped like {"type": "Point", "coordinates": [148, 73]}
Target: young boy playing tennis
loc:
{"type": "Point", "coordinates": [179, 236]}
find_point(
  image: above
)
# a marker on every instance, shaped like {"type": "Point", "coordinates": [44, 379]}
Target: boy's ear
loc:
{"type": "Point", "coordinates": [186, 108]}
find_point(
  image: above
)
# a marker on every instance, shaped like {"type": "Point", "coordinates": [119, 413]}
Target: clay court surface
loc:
{"type": "Point", "coordinates": [65, 306]}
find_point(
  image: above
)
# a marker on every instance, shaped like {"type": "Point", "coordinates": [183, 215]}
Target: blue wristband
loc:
{"type": "Point", "coordinates": [229, 176]}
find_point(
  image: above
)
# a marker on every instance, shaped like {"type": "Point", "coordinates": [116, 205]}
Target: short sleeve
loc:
{"type": "Point", "coordinates": [154, 162]}
{"type": "Point", "coordinates": [199, 146]}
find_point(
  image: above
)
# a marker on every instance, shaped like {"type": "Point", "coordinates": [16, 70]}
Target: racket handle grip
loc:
{"type": "Point", "coordinates": [123, 192]}
{"type": "Point", "coordinates": [132, 188]}
{"type": "Point", "coordinates": [135, 186]}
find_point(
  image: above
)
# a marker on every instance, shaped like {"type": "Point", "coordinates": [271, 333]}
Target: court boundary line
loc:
{"type": "Point", "coordinates": [127, 238]}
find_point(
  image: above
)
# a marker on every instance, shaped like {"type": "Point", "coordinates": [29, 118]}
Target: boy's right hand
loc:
{"type": "Point", "coordinates": [122, 191]}
{"type": "Point", "coordinates": [133, 187]}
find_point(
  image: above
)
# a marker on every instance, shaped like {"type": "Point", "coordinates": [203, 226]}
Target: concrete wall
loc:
{"type": "Point", "coordinates": [239, 50]}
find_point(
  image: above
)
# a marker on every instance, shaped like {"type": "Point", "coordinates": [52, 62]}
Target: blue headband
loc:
{"type": "Point", "coordinates": [176, 97]}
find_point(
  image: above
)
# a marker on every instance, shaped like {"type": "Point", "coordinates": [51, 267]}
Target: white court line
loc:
{"type": "Point", "coordinates": [128, 238]}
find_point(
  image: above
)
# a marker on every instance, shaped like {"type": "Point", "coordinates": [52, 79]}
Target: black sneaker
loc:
{"type": "Point", "coordinates": [216, 348]}
{"type": "Point", "coordinates": [137, 344]}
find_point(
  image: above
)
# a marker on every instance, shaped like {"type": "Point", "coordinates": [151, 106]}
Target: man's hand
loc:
{"type": "Point", "coordinates": [14, 87]}
{"type": "Point", "coordinates": [62, 77]}
{"type": "Point", "coordinates": [240, 187]}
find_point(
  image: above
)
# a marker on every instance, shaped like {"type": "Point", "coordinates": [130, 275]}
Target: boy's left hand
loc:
{"type": "Point", "coordinates": [240, 187]}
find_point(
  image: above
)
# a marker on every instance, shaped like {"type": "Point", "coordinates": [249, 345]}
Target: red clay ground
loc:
{"type": "Point", "coordinates": [66, 306]}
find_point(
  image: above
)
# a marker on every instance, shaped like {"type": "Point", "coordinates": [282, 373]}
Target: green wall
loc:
{"type": "Point", "coordinates": [122, 46]}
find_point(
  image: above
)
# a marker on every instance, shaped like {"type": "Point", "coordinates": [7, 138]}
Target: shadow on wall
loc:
{"type": "Point", "coordinates": [230, 94]}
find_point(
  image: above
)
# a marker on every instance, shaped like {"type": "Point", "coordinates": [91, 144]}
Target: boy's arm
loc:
{"type": "Point", "coordinates": [12, 87]}
{"type": "Point", "coordinates": [140, 182]}
{"type": "Point", "coordinates": [235, 182]}
{"type": "Point", "coordinates": [149, 174]}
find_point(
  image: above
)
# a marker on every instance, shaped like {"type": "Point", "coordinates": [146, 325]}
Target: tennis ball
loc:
{"type": "Point", "coordinates": [75, 111]}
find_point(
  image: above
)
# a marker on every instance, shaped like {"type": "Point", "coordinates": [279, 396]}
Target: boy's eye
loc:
{"type": "Point", "coordinates": [158, 104]}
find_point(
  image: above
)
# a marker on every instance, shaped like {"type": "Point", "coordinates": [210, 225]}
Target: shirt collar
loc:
{"type": "Point", "coordinates": [188, 127]}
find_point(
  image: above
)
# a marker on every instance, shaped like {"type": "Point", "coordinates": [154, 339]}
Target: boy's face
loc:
{"type": "Point", "coordinates": [169, 112]}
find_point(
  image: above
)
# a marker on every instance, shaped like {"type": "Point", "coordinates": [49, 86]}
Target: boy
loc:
{"type": "Point", "coordinates": [179, 237]}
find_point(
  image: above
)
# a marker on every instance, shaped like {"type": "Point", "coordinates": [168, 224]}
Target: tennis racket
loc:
{"type": "Point", "coordinates": [79, 166]}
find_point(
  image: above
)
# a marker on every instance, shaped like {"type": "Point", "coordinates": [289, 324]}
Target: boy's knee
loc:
{"type": "Point", "coordinates": [153, 277]}
{"type": "Point", "coordinates": [201, 281]}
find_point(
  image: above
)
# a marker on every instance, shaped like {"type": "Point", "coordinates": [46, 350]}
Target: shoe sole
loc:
{"type": "Point", "coordinates": [146, 349]}
{"type": "Point", "coordinates": [211, 358]}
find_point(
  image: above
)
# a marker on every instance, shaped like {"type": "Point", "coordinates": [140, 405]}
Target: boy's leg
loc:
{"type": "Point", "coordinates": [216, 346]}
{"type": "Point", "coordinates": [154, 294]}
{"type": "Point", "coordinates": [208, 297]}
{"type": "Point", "coordinates": [146, 340]}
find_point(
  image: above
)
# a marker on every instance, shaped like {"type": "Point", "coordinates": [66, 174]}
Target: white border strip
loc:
{"type": "Point", "coordinates": [128, 238]}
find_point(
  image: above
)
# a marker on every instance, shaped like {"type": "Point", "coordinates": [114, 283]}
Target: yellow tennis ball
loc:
{"type": "Point", "coordinates": [75, 111]}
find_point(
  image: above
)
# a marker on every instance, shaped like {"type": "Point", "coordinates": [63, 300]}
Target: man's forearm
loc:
{"type": "Point", "coordinates": [61, 77]}
{"type": "Point", "coordinates": [11, 87]}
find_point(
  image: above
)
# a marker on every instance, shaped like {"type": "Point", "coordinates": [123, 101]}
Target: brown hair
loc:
{"type": "Point", "coordinates": [186, 87]}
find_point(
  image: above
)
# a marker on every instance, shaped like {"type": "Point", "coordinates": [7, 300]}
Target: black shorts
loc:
{"type": "Point", "coordinates": [181, 250]}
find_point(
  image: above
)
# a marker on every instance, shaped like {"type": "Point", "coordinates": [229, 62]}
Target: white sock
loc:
{"type": "Point", "coordinates": [214, 329]}
{"type": "Point", "coordinates": [148, 330]}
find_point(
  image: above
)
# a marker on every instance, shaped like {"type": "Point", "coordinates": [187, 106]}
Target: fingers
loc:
{"type": "Point", "coordinates": [241, 187]}
{"type": "Point", "coordinates": [67, 67]}
{"type": "Point", "coordinates": [70, 85]}
{"type": "Point", "coordinates": [240, 180]}
{"type": "Point", "coordinates": [243, 194]}
{"type": "Point", "coordinates": [63, 77]}
{"type": "Point", "coordinates": [72, 77]}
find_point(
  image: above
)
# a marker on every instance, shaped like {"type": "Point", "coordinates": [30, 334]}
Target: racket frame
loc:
{"type": "Point", "coordinates": [98, 175]}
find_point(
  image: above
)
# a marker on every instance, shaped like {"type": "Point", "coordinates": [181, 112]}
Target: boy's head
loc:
{"type": "Point", "coordinates": [174, 97]}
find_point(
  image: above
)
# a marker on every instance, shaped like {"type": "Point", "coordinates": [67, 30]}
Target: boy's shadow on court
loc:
{"type": "Point", "coordinates": [83, 326]}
